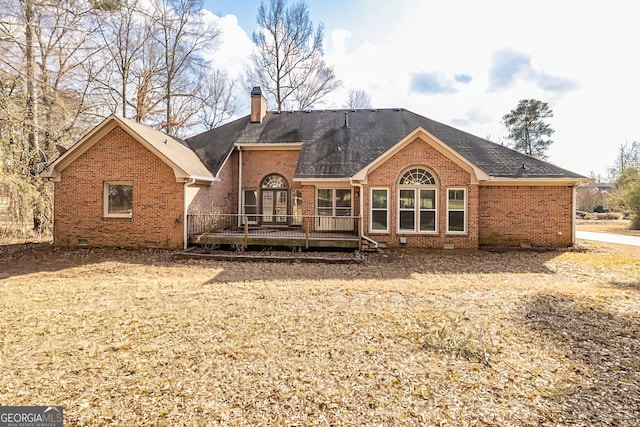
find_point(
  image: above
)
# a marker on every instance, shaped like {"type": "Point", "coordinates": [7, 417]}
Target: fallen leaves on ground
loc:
{"type": "Point", "coordinates": [138, 338]}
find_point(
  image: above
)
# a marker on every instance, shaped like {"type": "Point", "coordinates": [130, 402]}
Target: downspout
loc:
{"type": "Point", "coordinates": [361, 225]}
{"type": "Point", "coordinates": [573, 216]}
{"type": "Point", "coordinates": [185, 236]}
{"type": "Point", "coordinates": [239, 211]}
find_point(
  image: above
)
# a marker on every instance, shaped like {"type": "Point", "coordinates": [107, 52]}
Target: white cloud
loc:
{"type": "Point", "coordinates": [339, 39]}
{"type": "Point", "coordinates": [233, 48]}
{"type": "Point", "coordinates": [508, 66]}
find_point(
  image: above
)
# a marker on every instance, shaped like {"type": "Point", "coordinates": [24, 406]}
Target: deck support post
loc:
{"type": "Point", "coordinates": [246, 231]}
{"type": "Point", "coordinates": [359, 225]}
{"type": "Point", "coordinates": [306, 232]}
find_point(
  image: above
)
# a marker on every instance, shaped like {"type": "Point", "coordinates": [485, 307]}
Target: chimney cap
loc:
{"type": "Point", "coordinates": [256, 91]}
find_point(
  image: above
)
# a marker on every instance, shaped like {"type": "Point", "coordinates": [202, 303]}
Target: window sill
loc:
{"type": "Point", "coordinates": [117, 218]}
{"type": "Point", "coordinates": [417, 233]}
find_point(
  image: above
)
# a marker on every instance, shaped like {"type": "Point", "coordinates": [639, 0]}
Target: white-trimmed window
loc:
{"type": "Point", "coordinates": [379, 210]}
{"type": "Point", "coordinates": [417, 202]}
{"type": "Point", "coordinates": [332, 203]}
{"type": "Point", "coordinates": [250, 205]}
{"type": "Point", "coordinates": [118, 199]}
{"type": "Point", "coordinates": [456, 210]}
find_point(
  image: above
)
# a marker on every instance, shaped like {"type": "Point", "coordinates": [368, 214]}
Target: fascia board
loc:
{"type": "Point", "coordinates": [323, 181]}
{"type": "Point", "coordinates": [269, 146]}
{"type": "Point", "coordinates": [545, 182]}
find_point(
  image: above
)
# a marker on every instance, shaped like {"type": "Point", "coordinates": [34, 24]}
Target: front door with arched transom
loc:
{"type": "Point", "coordinates": [274, 190]}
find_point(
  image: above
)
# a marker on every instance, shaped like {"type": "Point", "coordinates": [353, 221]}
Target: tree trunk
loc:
{"type": "Point", "coordinates": [33, 161]}
{"type": "Point", "coordinates": [31, 119]}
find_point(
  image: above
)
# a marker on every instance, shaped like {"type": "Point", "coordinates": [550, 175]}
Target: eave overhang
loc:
{"type": "Point", "coordinates": [323, 181]}
{"type": "Point", "coordinates": [269, 146]}
{"type": "Point", "coordinates": [542, 182]}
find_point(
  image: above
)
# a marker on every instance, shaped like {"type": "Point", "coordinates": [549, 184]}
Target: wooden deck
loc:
{"type": "Point", "coordinates": [292, 231]}
{"type": "Point", "coordinates": [278, 237]}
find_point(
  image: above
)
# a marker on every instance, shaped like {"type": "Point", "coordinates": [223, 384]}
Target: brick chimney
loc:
{"type": "Point", "coordinates": [258, 105]}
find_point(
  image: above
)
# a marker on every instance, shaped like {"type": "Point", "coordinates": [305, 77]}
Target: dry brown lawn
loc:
{"type": "Point", "coordinates": [137, 338]}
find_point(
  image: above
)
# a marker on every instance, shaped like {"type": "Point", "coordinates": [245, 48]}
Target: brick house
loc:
{"type": "Point", "coordinates": [383, 177]}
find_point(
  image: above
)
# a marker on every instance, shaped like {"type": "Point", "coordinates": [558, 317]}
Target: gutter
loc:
{"type": "Point", "coordinates": [239, 184]}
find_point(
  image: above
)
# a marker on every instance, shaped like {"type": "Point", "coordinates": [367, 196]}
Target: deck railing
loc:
{"type": "Point", "coordinates": [292, 226]}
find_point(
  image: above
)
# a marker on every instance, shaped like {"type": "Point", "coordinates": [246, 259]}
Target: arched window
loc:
{"type": "Point", "coordinates": [417, 177]}
{"type": "Point", "coordinates": [417, 202]}
{"type": "Point", "coordinates": [275, 181]}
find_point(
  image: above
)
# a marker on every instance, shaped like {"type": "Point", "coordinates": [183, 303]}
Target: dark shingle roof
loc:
{"type": "Point", "coordinates": [333, 150]}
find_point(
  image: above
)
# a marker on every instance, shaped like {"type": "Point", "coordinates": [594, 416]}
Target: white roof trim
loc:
{"type": "Point", "coordinates": [534, 181]}
{"type": "Point", "coordinates": [322, 181]}
{"type": "Point", "coordinates": [269, 146]}
{"type": "Point", "coordinates": [224, 163]}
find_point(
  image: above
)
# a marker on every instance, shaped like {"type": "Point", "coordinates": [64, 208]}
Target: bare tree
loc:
{"type": "Point", "coordinates": [124, 32]}
{"type": "Point", "coordinates": [46, 47]}
{"type": "Point", "coordinates": [218, 100]}
{"type": "Point", "coordinates": [19, 51]}
{"type": "Point", "coordinates": [628, 155]}
{"type": "Point", "coordinates": [31, 104]}
{"type": "Point", "coordinates": [358, 98]}
{"type": "Point", "coordinates": [318, 82]}
{"type": "Point", "coordinates": [148, 84]}
{"type": "Point", "coordinates": [65, 47]}
{"type": "Point", "coordinates": [182, 34]}
{"type": "Point", "coordinates": [157, 73]}
{"type": "Point", "coordinates": [287, 61]}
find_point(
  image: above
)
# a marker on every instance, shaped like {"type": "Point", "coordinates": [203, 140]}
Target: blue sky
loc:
{"type": "Point", "coordinates": [467, 63]}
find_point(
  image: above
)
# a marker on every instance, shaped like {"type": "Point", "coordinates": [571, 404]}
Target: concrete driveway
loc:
{"type": "Point", "coordinates": [608, 238]}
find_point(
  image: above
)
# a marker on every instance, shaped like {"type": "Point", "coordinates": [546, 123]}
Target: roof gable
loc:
{"type": "Point", "coordinates": [476, 173]}
{"type": "Point", "coordinates": [172, 151]}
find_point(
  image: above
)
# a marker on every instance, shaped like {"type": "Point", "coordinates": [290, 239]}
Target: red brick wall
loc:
{"type": "Point", "coordinates": [535, 215]}
{"type": "Point", "coordinates": [447, 173]}
{"type": "Point", "coordinates": [258, 164]}
{"type": "Point", "coordinates": [221, 197]}
{"type": "Point", "coordinates": [157, 197]}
